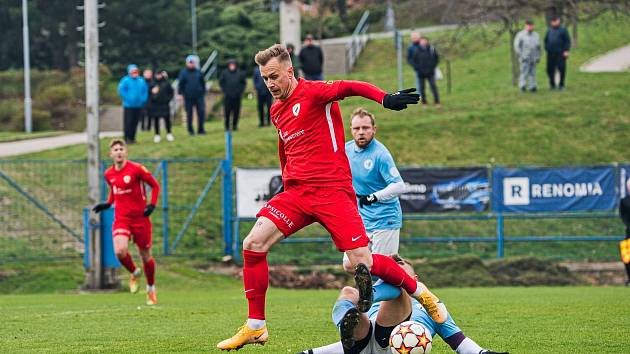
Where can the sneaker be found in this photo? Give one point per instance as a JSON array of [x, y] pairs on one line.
[[134, 280], [157, 139], [349, 322], [363, 282], [170, 137], [151, 297], [533, 89], [244, 336], [523, 89], [435, 308]]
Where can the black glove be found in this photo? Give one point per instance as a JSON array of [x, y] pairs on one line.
[[149, 209], [100, 207], [398, 101], [367, 199]]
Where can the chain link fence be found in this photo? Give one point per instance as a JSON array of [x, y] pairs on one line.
[[42, 203]]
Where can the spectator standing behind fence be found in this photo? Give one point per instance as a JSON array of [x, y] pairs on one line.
[[528, 50], [311, 60], [145, 120], [424, 59], [192, 89], [294, 60], [557, 45], [133, 91], [624, 246], [232, 81], [264, 98], [160, 96]]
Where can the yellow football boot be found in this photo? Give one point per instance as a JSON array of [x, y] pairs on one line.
[[244, 336], [435, 308], [151, 298], [134, 281]]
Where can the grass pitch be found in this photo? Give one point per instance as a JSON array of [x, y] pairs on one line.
[[197, 310]]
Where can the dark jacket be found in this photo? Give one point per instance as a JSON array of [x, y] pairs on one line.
[[311, 60], [259, 83], [424, 59], [557, 40], [191, 83], [159, 103], [232, 82]]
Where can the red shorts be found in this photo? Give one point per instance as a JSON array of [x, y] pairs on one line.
[[335, 208], [136, 229]]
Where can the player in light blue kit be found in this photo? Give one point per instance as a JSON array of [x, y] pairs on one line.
[[377, 183], [368, 333]]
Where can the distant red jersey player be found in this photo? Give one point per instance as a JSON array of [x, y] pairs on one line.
[[126, 180], [317, 188]]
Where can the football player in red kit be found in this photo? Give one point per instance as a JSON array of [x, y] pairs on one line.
[[317, 188], [126, 180]]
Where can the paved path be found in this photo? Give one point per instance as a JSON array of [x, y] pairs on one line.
[[614, 61], [21, 147]]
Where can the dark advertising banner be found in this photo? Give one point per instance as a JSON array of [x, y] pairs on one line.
[[522, 190], [431, 190]]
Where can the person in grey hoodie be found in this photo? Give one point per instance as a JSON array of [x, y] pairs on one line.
[[527, 48], [557, 45]]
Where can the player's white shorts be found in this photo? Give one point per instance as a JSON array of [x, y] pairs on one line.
[[385, 242]]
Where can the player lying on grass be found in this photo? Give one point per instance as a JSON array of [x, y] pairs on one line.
[[368, 333], [317, 188], [131, 217]]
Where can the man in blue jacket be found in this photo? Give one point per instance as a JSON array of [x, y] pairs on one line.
[[557, 45], [133, 91], [191, 89]]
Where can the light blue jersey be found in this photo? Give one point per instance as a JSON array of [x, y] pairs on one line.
[[373, 169], [419, 314]]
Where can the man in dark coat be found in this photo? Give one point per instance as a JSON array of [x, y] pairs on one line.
[[311, 60], [557, 45], [160, 96], [192, 89], [232, 82], [264, 98], [424, 58]]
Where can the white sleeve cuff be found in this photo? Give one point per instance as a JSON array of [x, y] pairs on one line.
[[392, 191]]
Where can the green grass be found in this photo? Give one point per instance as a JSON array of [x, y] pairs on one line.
[[17, 136], [197, 310]]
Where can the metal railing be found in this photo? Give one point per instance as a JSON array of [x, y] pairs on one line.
[[358, 41]]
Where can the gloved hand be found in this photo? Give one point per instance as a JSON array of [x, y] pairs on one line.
[[367, 200], [399, 100], [149, 209], [100, 207]]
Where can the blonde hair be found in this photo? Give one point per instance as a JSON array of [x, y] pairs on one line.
[[117, 142], [275, 51], [362, 112]]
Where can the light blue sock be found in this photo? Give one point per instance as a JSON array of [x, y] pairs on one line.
[[384, 291], [340, 309]]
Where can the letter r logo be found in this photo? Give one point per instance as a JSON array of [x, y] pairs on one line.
[[516, 191]]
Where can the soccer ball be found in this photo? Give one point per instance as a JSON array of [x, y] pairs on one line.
[[410, 338]]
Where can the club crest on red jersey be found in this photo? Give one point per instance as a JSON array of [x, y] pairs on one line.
[[296, 109], [127, 179]]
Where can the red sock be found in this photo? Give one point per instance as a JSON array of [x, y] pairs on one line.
[[256, 282], [149, 271], [387, 269], [128, 263]]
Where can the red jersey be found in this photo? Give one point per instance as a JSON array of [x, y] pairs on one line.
[[311, 140], [127, 189]]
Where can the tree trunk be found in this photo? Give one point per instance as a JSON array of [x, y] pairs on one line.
[[574, 32]]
